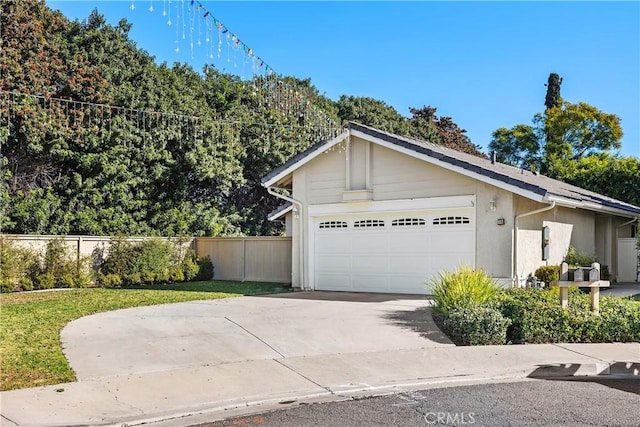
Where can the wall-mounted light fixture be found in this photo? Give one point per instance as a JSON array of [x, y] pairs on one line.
[[493, 205], [296, 214]]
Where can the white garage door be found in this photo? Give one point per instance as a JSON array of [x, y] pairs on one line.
[[391, 252]]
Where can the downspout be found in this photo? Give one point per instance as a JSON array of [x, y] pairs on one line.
[[297, 203], [514, 249], [616, 245]]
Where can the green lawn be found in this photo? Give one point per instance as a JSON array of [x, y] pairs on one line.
[[30, 322]]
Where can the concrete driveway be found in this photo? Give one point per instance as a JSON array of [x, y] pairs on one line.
[[168, 365], [207, 333]]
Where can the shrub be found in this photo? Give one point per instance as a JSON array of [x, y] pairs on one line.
[[575, 258], [205, 268], [134, 279], [120, 259], [16, 265], [190, 266], [537, 317], [66, 281], [109, 280], [461, 288], [25, 284], [58, 262], [7, 287], [153, 256], [45, 281], [153, 261], [476, 325], [548, 273], [176, 274]]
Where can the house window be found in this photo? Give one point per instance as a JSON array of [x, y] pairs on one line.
[[405, 222], [365, 223], [449, 220], [333, 224]]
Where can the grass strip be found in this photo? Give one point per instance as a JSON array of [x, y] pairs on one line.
[[30, 322]]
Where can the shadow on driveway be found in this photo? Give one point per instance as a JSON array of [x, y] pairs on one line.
[[346, 296], [420, 320]]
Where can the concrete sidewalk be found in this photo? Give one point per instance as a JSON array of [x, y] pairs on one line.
[[623, 290], [338, 353]]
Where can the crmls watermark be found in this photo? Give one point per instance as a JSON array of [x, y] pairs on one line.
[[450, 419]]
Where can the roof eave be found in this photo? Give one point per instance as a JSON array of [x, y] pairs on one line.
[[279, 175], [591, 206], [280, 213], [537, 195]]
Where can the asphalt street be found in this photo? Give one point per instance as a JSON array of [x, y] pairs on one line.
[[576, 402]]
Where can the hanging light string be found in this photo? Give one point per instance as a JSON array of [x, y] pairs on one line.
[[285, 97], [76, 111]]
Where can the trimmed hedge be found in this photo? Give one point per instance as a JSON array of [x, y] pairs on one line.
[[537, 317], [476, 325], [472, 312]]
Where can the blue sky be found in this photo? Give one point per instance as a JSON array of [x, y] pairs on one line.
[[482, 63]]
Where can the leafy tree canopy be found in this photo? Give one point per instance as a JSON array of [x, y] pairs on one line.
[[574, 143], [184, 151]]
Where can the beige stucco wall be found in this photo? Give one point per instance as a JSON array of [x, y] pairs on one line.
[[567, 226], [394, 175], [391, 175]]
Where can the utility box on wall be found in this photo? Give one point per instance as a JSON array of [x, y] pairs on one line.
[[546, 241]]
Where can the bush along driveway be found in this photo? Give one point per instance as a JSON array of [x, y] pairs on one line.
[[471, 310]]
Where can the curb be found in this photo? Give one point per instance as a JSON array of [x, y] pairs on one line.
[[617, 370], [629, 370]]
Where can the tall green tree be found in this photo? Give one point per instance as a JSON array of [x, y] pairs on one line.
[[442, 130], [574, 143], [553, 98], [576, 130], [518, 146], [372, 112]]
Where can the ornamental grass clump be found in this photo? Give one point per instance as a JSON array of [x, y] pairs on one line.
[[462, 288]]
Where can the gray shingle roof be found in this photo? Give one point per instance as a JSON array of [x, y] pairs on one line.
[[526, 180]]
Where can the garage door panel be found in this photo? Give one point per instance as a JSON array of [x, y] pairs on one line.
[[409, 242], [368, 263], [452, 242], [408, 284], [330, 242], [449, 261], [369, 243], [416, 263], [369, 282], [391, 252], [333, 264], [333, 282]]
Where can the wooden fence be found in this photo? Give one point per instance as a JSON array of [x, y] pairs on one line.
[[260, 259]]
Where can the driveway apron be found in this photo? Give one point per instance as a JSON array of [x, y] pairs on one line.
[[205, 333]]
